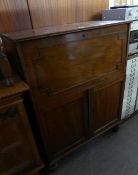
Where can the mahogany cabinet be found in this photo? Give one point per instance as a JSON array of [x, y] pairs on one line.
[[76, 76], [18, 152]]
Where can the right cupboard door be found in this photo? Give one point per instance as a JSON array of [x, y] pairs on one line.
[[105, 106]]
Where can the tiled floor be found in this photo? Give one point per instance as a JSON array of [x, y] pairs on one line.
[[109, 154]]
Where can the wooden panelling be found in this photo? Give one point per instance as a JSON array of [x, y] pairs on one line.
[[105, 112], [14, 15], [47, 12], [61, 64]]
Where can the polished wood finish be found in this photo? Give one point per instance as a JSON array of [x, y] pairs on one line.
[[17, 88], [65, 121], [105, 105], [58, 73], [60, 29], [49, 13], [14, 15], [76, 74], [18, 153]]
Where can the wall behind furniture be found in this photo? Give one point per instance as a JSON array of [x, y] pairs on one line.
[[54, 12], [14, 15], [18, 15]]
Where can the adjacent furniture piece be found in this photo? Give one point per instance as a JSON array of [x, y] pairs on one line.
[[76, 76], [18, 152]]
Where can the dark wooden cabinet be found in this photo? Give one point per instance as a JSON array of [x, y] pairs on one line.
[[18, 152], [76, 75]]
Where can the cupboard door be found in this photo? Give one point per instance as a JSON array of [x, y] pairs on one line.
[[18, 154], [64, 123], [105, 106]]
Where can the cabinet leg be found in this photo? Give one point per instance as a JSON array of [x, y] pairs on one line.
[[116, 128]]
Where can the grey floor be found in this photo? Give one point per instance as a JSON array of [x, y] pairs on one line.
[[109, 154]]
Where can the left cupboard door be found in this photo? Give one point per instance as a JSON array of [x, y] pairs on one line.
[[63, 123], [18, 152]]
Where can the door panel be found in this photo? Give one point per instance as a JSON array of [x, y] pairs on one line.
[[105, 104], [61, 62], [62, 66], [64, 125]]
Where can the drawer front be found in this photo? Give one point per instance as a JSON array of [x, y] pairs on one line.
[[17, 149], [57, 63]]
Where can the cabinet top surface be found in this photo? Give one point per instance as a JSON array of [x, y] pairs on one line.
[[18, 87], [60, 29]]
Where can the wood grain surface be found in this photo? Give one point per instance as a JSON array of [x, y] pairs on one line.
[[47, 12], [76, 82], [14, 15]]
